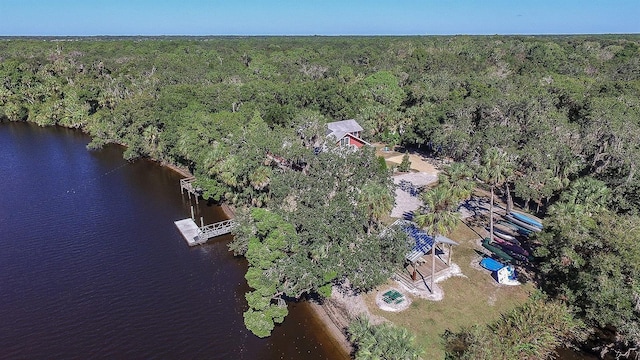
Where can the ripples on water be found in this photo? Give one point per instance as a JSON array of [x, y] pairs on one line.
[[91, 265]]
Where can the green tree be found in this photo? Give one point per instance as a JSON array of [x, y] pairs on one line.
[[405, 165], [459, 177], [589, 258], [495, 168], [267, 254], [382, 341], [376, 201], [533, 330], [382, 87], [333, 206], [440, 216], [591, 193]]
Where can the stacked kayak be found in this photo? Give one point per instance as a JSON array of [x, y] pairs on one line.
[[497, 251], [505, 233], [512, 249], [528, 219], [505, 250], [505, 247], [524, 221], [519, 229]]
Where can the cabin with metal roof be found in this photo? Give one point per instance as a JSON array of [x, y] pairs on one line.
[[346, 133]]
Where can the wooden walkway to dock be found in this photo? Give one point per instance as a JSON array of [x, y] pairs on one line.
[[187, 184], [217, 229]]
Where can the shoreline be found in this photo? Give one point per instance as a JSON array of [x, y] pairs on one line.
[[329, 318], [228, 210], [332, 326], [178, 169]]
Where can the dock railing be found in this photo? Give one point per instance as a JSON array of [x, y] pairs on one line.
[[216, 229]]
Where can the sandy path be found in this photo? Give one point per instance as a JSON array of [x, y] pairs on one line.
[[416, 163]]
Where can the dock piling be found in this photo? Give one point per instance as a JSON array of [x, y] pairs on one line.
[[193, 234], [187, 184]]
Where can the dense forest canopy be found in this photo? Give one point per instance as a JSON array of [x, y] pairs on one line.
[[562, 106], [564, 109]]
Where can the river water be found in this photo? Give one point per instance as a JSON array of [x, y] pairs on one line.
[[92, 266]]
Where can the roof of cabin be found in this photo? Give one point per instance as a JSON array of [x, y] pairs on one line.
[[340, 128]]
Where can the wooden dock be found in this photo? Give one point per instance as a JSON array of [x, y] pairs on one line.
[[190, 231], [195, 235]]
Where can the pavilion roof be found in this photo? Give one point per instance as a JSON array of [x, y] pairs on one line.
[[423, 242]]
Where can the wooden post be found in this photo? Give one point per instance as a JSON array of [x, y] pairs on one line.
[[413, 274], [201, 222], [192, 216], [450, 251], [433, 263]]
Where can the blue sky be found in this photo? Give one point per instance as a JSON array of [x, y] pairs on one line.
[[319, 17]]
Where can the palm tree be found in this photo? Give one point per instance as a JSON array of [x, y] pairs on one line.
[[459, 176], [361, 335], [382, 341], [260, 178], [441, 216], [151, 135], [441, 204], [570, 217], [495, 169], [376, 201], [593, 194]]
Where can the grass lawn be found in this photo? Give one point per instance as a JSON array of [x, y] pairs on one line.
[[473, 299]]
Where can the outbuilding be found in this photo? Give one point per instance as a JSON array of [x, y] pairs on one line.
[[346, 133]]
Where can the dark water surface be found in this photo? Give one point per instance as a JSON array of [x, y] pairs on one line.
[[92, 266]]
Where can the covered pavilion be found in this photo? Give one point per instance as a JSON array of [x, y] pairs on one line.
[[420, 269]]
